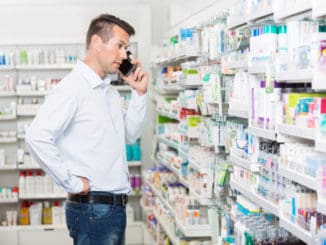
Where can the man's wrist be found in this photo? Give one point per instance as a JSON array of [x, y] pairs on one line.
[[140, 93]]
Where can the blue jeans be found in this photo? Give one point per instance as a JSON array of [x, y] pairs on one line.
[[96, 224]]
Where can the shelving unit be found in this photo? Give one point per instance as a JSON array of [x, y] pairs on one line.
[[260, 18], [263, 133], [267, 205], [239, 113], [197, 231], [302, 179], [251, 166], [294, 11], [297, 231], [170, 234], [295, 131], [294, 76]]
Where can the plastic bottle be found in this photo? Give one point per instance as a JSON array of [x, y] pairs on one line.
[[20, 156], [48, 184], [47, 214], [136, 153], [282, 39], [24, 214], [39, 185], [15, 192], [56, 213], [30, 183], [22, 183]]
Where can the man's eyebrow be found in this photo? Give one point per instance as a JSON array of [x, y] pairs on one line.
[[124, 43]]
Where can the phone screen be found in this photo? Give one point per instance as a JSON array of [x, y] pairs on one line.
[[126, 66]]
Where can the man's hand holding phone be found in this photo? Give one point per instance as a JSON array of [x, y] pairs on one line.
[[134, 75]]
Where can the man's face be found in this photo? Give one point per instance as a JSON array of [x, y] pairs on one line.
[[113, 51]]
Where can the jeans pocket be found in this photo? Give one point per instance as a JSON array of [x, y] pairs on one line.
[[101, 211], [72, 219]]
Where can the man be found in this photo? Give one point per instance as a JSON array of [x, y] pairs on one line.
[[79, 135]]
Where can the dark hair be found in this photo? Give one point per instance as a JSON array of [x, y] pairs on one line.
[[102, 26]]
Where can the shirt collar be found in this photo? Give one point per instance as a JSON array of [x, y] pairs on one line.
[[92, 78]]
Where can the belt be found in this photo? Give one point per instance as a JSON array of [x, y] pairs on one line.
[[114, 199]]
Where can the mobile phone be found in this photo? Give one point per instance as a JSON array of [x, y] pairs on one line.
[[126, 66]]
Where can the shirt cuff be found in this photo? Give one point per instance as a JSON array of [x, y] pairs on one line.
[[76, 185], [138, 100]]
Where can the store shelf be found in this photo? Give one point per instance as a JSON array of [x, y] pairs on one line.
[[253, 167], [26, 166], [7, 117], [9, 200], [173, 238], [238, 113], [168, 114], [195, 165], [203, 200], [179, 58], [236, 22], [267, 205], [43, 196], [7, 68], [238, 64], [302, 179], [190, 84], [7, 93], [257, 69], [295, 10], [8, 167], [26, 114], [31, 93], [172, 88], [42, 227], [133, 194], [46, 67], [319, 10], [260, 14], [188, 231], [173, 169], [297, 231], [263, 133], [8, 140], [122, 88], [294, 76], [167, 142], [320, 146], [134, 163], [295, 131]]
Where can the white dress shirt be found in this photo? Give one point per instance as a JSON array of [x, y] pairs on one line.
[[82, 129]]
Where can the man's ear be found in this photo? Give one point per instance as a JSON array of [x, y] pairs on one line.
[[96, 42]]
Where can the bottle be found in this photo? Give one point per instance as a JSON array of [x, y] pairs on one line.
[[20, 156], [56, 213], [48, 184], [22, 183], [15, 192], [30, 183], [24, 214], [47, 214], [136, 154], [39, 185]]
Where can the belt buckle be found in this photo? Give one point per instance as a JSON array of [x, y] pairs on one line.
[[124, 200]]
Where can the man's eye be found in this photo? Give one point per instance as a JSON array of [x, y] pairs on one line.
[[120, 46]]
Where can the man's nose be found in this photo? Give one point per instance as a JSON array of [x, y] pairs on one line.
[[123, 54]]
